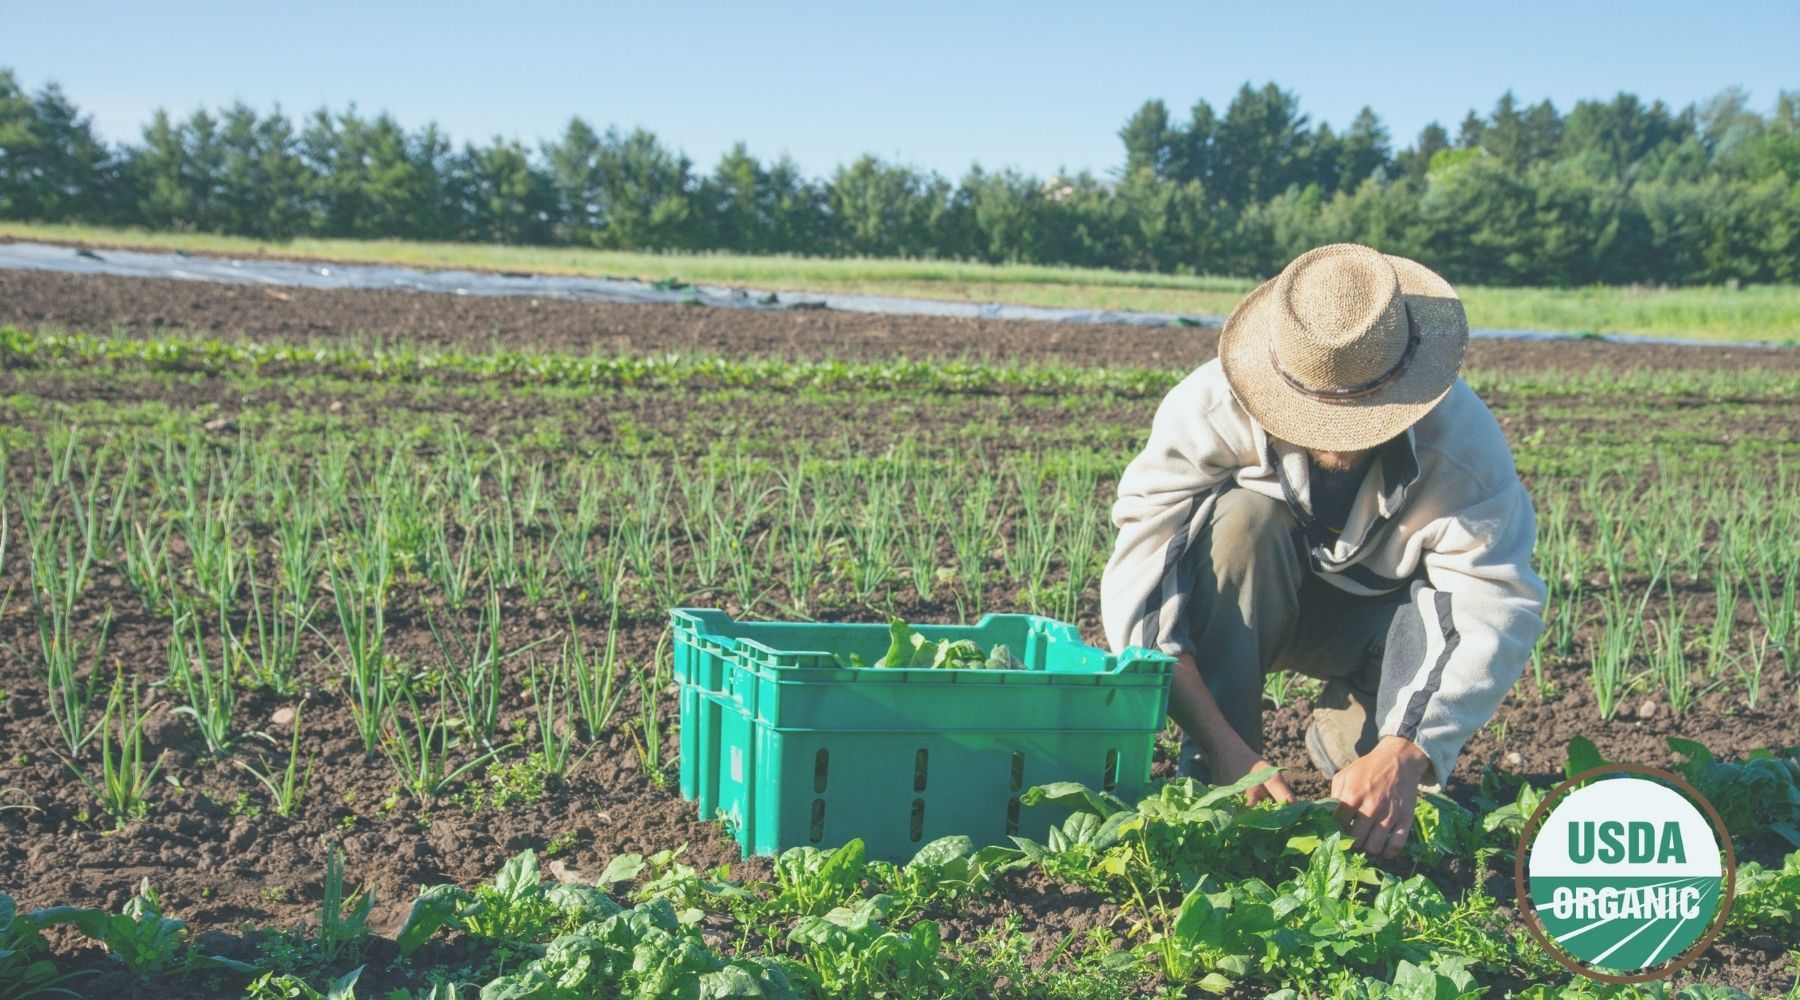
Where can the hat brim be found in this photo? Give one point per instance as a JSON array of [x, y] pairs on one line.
[[1364, 421]]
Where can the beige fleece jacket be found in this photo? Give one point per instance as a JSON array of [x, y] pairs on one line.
[[1450, 504]]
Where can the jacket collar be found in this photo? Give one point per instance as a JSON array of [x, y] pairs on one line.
[[1385, 486]]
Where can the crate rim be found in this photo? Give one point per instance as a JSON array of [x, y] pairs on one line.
[[1132, 659]]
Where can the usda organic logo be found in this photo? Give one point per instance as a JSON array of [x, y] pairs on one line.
[[1621, 874]]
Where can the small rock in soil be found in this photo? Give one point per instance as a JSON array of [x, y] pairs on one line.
[[563, 873], [1647, 710], [1514, 759], [217, 425], [283, 716]]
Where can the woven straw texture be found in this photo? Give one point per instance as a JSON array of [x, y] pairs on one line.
[[1318, 354]]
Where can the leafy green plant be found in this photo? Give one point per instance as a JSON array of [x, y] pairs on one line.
[[269, 644], [70, 698], [908, 648], [847, 952], [206, 683], [1437, 980], [359, 593], [642, 952], [1768, 901], [140, 938], [25, 971], [124, 778], [1757, 794], [287, 790], [285, 986], [550, 700], [808, 881], [420, 752], [516, 906], [595, 681], [946, 870], [652, 681], [1614, 648], [343, 920]]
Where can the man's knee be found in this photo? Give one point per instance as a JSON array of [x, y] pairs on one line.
[[1253, 535]]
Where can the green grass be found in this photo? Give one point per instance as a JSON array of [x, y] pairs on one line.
[[1769, 313]]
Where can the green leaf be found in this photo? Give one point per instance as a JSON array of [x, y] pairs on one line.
[[1120, 961], [1583, 756], [1116, 826], [729, 983], [1002, 659], [88, 921], [1075, 795], [1327, 871], [1081, 828], [961, 653], [1698, 756], [1214, 982], [623, 868], [344, 988], [435, 907], [221, 962], [582, 902], [904, 644], [843, 861], [518, 878], [1198, 924], [819, 932], [1032, 850], [942, 851], [1243, 784], [1276, 818]]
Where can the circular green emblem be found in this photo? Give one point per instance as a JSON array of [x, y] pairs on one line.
[[1625, 875]]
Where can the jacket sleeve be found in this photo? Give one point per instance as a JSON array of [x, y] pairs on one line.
[[1480, 611], [1160, 496]]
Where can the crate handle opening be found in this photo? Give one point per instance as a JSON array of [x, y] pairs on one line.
[[1018, 770], [821, 765], [1112, 770], [921, 761], [918, 820], [818, 820], [1012, 816]]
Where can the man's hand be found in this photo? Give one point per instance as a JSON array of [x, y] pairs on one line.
[[1377, 793], [1235, 759], [1193, 709]]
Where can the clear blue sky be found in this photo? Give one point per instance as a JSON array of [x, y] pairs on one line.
[[1037, 86]]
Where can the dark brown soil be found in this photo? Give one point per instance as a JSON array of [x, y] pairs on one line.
[[227, 865], [97, 303]]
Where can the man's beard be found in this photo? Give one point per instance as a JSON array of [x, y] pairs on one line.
[[1339, 462]]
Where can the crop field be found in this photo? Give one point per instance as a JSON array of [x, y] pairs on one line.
[[334, 653], [1767, 313]]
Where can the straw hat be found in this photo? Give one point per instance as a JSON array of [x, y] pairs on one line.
[[1345, 348]]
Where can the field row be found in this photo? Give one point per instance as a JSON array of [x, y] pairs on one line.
[[1767, 313]]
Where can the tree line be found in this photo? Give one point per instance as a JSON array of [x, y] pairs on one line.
[[1613, 191]]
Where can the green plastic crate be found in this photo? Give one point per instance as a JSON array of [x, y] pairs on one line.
[[793, 747]]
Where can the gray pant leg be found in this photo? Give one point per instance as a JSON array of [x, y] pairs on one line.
[[1341, 635], [1244, 608]]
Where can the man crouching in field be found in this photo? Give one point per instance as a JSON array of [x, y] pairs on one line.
[[1329, 497]]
